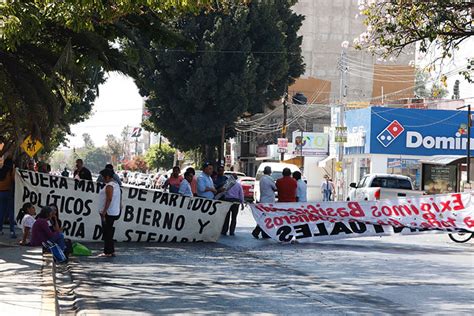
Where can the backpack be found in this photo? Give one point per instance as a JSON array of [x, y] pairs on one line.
[[56, 251]]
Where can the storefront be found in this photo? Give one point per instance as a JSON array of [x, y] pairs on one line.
[[396, 140]]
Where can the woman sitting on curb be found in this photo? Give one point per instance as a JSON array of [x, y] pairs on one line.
[[41, 232]]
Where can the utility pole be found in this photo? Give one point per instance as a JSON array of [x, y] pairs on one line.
[[285, 114], [342, 96], [468, 156]]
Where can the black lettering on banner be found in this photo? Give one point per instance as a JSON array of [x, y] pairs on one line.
[[206, 205], [146, 216], [150, 237], [44, 180], [339, 227], [142, 194], [140, 233], [66, 207], [284, 234], [164, 198], [173, 199], [184, 239], [132, 193], [66, 226], [378, 229], [53, 181], [197, 204], [97, 232], [127, 234], [156, 218], [26, 194], [157, 195], [128, 215], [202, 225], [24, 174], [179, 222], [358, 227], [322, 231], [88, 208], [214, 207], [78, 206], [174, 239], [302, 231], [168, 220], [183, 198], [34, 179]]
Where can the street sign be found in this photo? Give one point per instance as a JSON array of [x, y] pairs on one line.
[[137, 132], [339, 166], [282, 142], [341, 134], [31, 146], [282, 150]]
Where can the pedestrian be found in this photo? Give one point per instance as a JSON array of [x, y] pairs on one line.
[[41, 232], [54, 222], [81, 172], [174, 180], [185, 186], [301, 189], [235, 194], [26, 220], [116, 177], [267, 195], [327, 188], [31, 165], [194, 182], [205, 185], [109, 208], [65, 173], [220, 178], [286, 187], [7, 180]]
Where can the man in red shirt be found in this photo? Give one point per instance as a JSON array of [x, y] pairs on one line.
[[286, 187]]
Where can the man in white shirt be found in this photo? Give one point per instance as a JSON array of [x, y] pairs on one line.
[[301, 189], [327, 188], [185, 186], [267, 195]]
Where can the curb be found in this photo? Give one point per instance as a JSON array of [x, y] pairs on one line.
[[49, 298]]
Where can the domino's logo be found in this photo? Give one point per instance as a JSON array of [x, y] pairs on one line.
[[390, 133]]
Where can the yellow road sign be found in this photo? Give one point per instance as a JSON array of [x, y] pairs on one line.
[[31, 146]]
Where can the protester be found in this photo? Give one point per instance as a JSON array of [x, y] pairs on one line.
[[174, 180], [267, 195], [116, 177], [40, 232], [301, 189], [185, 186], [65, 173], [205, 185], [194, 182], [31, 165], [7, 179], [81, 172], [286, 187], [220, 178], [109, 208], [234, 194], [54, 222], [327, 188], [26, 220]]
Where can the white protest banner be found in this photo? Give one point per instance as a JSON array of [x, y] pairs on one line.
[[317, 221], [146, 216]]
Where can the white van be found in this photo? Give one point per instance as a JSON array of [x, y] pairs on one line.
[[277, 169]]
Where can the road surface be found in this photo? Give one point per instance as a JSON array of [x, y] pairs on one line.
[[399, 274]]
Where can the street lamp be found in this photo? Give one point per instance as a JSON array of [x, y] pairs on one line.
[[469, 124]]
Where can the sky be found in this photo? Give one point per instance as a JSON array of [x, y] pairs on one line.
[[119, 104]]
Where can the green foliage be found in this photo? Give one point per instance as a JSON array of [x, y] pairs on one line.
[[54, 54], [425, 88], [157, 157], [114, 147], [88, 143], [394, 25], [95, 159], [242, 60]]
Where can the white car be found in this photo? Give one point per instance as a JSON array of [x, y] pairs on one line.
[[382, 186], [277, 169]]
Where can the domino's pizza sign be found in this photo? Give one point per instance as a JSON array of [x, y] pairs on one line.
[[390, 133], [416, 132]]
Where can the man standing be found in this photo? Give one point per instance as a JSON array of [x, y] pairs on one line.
[[81, 172], [205, 185], [327, 187], [185, 186], [234, 194], [286, 187], [221, 179], [115, 177], [301, 189], [267, 195], [65, 173]]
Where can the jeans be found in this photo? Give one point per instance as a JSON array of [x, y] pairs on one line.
[[234, 211], [59, 239], [6, 209], [108, 231]]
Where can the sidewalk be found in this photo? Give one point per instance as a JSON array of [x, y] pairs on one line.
[[26, 286]]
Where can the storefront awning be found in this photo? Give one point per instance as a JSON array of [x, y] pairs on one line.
[[444, 160], [324, 163]]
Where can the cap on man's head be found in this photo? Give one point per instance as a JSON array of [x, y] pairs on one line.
[[205, 165], [109, 166], [267, 170], [326, 176]]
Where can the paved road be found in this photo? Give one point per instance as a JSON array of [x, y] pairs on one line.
[[411, 274]]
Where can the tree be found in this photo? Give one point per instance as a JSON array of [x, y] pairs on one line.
[[243, 60], [96, 159], [54, 55], [137, 163], [88, 142], [114, 148], [424, 88], [160, 156], [456, 92], [393, 25]]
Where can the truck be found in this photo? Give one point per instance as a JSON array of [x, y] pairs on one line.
[[382, 186]]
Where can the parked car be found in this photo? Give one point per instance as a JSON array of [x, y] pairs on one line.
[[248, 185], [382, 186], [277, 169], [239, 174]]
